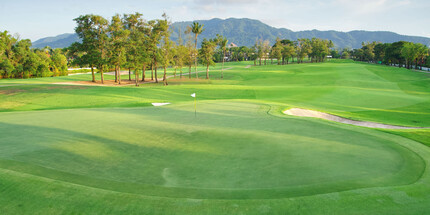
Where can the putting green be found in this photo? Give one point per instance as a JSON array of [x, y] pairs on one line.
[[232, 150]]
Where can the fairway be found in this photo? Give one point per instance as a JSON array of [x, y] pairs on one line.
[[102, 150]]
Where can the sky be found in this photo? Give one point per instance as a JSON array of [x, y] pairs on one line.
[[35, 19]]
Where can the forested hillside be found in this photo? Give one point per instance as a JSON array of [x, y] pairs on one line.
[[244, 32]]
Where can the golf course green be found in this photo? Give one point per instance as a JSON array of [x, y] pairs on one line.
[[89, 149]]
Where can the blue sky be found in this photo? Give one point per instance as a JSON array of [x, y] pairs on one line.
[[35, 19]]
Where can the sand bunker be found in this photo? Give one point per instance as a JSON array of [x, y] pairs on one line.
[[160, 104], [321, 115]]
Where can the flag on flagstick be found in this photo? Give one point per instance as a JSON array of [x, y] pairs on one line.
[[195, 104]]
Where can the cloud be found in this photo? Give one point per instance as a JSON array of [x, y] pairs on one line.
[[221, 6], [225, 2], [371, 6]]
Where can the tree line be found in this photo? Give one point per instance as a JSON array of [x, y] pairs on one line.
[[283, 51], [18, 60], [131, 42], [402, 54]]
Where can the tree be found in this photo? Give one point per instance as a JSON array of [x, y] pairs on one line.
[[379, 51], [85, 31], [59, 62], [422, 52], [181, 54], [143, 45], [261, 49], [254, 55], [30, 65], [19, 60], [157, 28], [345, 53], [119, 37], [191, 50], [318, 50], [206, 53], [303, 49], [100, 29], [288, 52], [409, 53], [266, 49], [277, 50], [7, 41], [197, 29], [222, 43], [368, 51], [137, 44], [166, 46], [393, 53], [6, 68]]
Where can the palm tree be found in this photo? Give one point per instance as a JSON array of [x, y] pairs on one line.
[[422, 52], [222, 42], [197, 29], [207, 52]]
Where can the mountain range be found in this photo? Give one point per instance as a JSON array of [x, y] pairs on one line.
[[244, 32]]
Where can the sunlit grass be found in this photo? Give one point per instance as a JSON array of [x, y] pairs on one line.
[[107, 150]]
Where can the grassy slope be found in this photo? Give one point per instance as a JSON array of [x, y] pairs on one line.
[[359, 91], [88, 168], [236, 150]]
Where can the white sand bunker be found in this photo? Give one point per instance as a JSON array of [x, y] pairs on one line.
[[160, 104], [321, 115]]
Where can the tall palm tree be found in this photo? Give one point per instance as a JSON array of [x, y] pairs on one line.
[[197, 29], [222, 43]]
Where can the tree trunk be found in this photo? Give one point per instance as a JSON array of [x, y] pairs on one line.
[[180, 72], [119, 74], [421, 63], [222, 68], [189, 72], [164, 76], [195, 70], [195, 59], [260, 61], [136, 77], [152, 71], [101, 74], [174, 73], [143, 72], [116, 74], [155, 68], [207, 71], [92, 74], [129, 73]]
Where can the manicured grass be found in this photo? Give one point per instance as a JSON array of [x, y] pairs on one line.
[[107, 150], [354, 90]]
